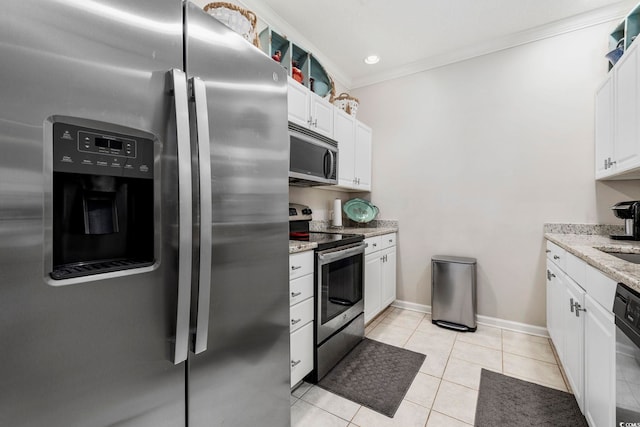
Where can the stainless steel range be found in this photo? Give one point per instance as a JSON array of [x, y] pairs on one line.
[[339, 279]]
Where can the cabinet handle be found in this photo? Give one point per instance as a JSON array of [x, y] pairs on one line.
[[295, 363], [390, 240], [571, 304], [548, 275], [310, 121], [295, 267], [612, 163], [295, 294], [315, 123], [556, 257], [548, 250], [579, 309], [606, 163], [296, 321], [375, 244]]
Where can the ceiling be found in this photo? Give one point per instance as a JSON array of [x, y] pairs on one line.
[[413, 35]]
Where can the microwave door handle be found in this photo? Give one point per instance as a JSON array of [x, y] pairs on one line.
[[178, 82], [328, 169], [333, 164], [204, 159]]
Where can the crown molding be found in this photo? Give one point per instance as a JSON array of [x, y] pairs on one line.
[[598, 16]]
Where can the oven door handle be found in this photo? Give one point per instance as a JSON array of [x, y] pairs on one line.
[[332, 255]]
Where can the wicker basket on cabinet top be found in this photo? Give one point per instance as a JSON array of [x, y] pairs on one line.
[[240, 20]]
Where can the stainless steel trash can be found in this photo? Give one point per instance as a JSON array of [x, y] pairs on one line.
[[453, 292]]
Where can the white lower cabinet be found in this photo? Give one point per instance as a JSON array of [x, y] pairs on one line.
[[573, 354], [379, 274], [580, 322], [301, 315]]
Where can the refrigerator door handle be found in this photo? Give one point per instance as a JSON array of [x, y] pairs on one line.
[[204, 159], [179, 89]]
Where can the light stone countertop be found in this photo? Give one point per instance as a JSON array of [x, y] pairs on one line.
[[586, 247], [296, 246], [365, 231]]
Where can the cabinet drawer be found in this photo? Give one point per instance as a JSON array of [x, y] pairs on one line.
[[301, 353], [300, 289], [374, 244], [600, 287], [300, 264], [575, 268], [388, 240], [556, 254], [301, 314]]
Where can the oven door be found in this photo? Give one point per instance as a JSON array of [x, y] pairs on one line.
[[340, 280]]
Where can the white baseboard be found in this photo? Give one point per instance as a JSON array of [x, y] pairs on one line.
[[482, 320]]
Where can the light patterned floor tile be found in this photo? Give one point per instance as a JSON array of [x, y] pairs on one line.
[[531, 349], [302, 389], [532, 370], [436, 331], [389, 334], [436, 419], [463, 373], [434, 364], [423, 390], [425, 343], [512, 336], [485, 336], [331, 403], [304, 414], [479, 355], [408, 414], [456, 401], [403, 318]]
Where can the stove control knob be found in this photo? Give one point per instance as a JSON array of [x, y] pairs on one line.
[[306, 211]]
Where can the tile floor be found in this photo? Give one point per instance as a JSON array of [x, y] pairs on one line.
[[445, 390]]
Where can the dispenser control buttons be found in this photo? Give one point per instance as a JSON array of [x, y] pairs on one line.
[[106, 144]]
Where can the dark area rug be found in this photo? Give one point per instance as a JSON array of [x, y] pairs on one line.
[[507, 401], [375, 375]]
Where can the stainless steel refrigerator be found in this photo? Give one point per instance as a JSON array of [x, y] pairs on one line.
[[143, 224]]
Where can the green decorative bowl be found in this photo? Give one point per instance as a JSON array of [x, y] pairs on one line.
[[360, 210]]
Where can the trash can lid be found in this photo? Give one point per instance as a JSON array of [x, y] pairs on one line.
[[450, 258]]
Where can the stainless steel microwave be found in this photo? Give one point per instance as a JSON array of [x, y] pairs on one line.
[[313, 158]]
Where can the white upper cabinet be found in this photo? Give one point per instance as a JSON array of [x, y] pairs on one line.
[[617, 128], [363, 157], [604, 128], [344, 131], [354, 156], [309, 110], [626, 139], [299, 104]]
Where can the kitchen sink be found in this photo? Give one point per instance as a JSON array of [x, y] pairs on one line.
[[633, 258]]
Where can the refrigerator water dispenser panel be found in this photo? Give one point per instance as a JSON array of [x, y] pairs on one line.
[[103, 207]]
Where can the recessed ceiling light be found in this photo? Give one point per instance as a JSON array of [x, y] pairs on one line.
[[372, 59]]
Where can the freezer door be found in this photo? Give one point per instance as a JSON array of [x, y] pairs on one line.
[[94, 352], [242, 378]]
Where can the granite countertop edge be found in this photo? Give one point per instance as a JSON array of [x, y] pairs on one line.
[[297, 246], [588, 248]]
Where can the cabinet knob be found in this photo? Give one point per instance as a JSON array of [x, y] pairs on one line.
[[579, 309], [556, 257]]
